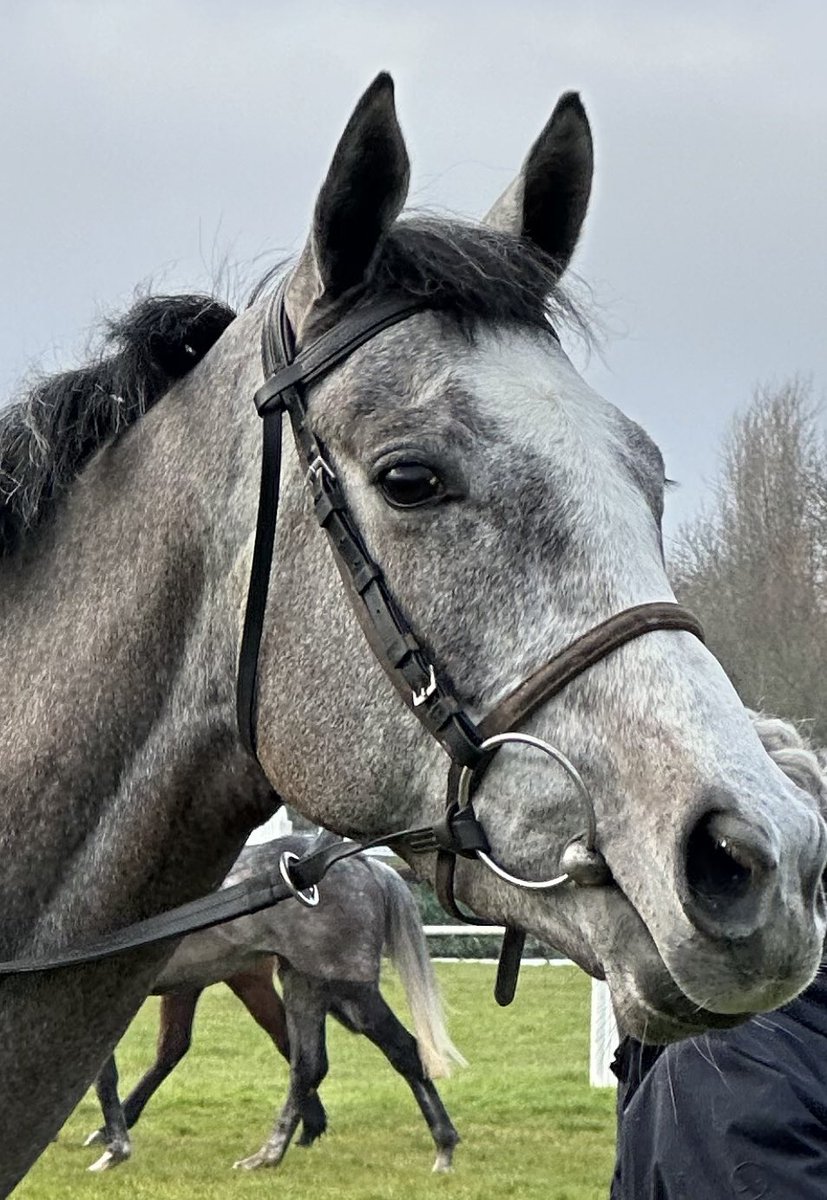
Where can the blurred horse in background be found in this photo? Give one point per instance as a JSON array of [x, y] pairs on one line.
[[329, 961]]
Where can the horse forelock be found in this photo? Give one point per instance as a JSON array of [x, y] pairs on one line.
[[48, 437], [469, 272]]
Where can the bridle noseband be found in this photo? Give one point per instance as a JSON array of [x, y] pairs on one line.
[[427, 693]]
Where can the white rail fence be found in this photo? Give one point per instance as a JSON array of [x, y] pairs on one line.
[[603, 1031]]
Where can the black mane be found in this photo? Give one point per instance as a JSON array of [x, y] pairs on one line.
[[49, 436], [470, 272]]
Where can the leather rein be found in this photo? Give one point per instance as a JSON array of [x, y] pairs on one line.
[[425, 690]]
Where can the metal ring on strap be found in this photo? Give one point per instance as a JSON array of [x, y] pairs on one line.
[[464, 799], [308, 897]]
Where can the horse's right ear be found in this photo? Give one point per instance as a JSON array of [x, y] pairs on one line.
[[547, 201], [360, 199]]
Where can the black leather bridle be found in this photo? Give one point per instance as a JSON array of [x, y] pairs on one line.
[[469, 745]]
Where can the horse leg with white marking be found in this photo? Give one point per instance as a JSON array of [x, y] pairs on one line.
[[306, 1005], [256, 991], [114, 1133], [176, 1016], [362, 1009]]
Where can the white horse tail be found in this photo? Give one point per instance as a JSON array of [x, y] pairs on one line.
[[407, 949]]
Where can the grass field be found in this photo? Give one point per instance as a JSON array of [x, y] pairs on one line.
[[530, 1124]]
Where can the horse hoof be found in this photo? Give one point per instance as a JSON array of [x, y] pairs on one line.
[[255, 1161], [109, 1159], [95, 1139], [247, 1164], [443, 1162]]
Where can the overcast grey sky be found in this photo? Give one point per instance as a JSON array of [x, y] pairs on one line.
[[151, 141]]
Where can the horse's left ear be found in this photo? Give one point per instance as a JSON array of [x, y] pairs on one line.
[[362, 195], [547, 201]]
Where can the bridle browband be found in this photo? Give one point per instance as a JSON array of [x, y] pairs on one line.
[[470, 745]]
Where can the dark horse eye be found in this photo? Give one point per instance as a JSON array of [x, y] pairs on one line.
[[410, 485]]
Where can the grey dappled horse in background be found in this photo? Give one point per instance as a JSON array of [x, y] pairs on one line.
[[329, 961], [510, 509]]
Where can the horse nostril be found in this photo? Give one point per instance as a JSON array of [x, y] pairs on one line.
[[724, 858]]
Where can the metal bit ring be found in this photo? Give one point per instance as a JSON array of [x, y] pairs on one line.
[[308, 896], [464, 800]]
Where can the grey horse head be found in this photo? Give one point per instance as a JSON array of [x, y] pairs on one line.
[[511, 508]]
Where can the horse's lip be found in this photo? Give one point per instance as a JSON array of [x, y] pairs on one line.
[[665, 1011], [655, 1004], [667, 1001]]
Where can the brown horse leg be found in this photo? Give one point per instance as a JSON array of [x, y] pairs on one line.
[[256, 991], [174, 1040]]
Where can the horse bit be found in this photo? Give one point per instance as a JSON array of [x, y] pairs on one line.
[[470, 746]]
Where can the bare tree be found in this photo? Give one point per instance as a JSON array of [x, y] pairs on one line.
[[754, 564]]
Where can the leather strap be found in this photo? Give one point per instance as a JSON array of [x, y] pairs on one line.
[[425, 691], [224, 905], [581, 654], [268, 504], [508, 968], [286, 370]]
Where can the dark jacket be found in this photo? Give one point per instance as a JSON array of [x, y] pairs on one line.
[[737, 1115]]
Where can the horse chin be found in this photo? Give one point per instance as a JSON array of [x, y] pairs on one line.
[[651, 1007], [648, 1003]]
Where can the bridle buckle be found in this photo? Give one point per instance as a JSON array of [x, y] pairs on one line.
[[430, 687], [317, 468]]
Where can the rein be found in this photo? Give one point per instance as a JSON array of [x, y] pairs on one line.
[[469, 745]]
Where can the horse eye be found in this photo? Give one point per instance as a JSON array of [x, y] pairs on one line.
[[410, 485]]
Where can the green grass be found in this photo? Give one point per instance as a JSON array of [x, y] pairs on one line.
[[530, 1124]]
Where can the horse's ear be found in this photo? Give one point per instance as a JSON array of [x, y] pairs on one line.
[[547, 201], [362, 196]]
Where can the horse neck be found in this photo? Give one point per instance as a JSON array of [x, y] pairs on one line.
[[118, 642]]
